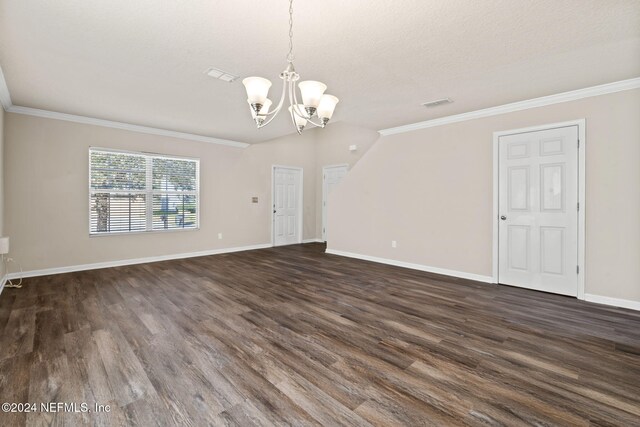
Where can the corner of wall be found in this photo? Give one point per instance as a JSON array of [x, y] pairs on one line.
[[2, 120]]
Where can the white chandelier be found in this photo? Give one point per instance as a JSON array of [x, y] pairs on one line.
[[315, 103]]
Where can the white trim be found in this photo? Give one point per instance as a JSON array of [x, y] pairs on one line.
[[496, 205], [125, 126], [5, 96], [338, 165], [616, 302], [519, 106], [581, 124], [2, 283], [582, 197], [119, 263], [436, 270], [316, 240], [300, 201]]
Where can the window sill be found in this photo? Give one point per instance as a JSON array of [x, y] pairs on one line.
[[129, 233]]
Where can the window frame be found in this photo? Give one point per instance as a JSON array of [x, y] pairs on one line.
[[148, 192]]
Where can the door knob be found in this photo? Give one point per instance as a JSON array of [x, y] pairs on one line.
[[503, 217]]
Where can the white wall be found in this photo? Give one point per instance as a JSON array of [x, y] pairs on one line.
[[431, 191], [46, 170]]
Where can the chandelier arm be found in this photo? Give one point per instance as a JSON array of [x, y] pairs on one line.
[[272, 115], [292, 110], [295, 104], [319, 125]]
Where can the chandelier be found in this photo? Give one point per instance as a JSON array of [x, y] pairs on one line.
[[316, 107]]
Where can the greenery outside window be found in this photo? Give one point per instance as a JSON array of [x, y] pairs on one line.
[[137, 192]]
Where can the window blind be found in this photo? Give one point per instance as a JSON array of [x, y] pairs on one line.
[[135, 192]]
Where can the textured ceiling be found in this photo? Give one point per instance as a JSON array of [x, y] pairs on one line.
[[143, 61]]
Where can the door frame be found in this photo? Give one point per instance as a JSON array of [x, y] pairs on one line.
[[580, 123], [324, 195], [300, 201]]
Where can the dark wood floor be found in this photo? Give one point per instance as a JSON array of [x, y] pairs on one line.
[[295, 336]]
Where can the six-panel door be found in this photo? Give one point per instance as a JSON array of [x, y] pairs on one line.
[[538, 202], [286, 206], [331, 177]]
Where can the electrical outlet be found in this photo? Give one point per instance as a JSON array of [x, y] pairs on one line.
[[394, 244], [219, 236]]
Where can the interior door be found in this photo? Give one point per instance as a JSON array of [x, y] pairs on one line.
[[331, 177], [538, 208], [287, 206]]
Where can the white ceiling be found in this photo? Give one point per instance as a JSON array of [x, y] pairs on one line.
[[143, 61]]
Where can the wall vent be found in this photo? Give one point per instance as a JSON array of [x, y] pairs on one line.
[[220, 75], [437, 102]]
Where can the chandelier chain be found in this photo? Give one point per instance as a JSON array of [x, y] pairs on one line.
[[290, 55]]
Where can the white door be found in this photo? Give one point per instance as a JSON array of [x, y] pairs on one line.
[[538, 209], [331, 177], [287, 206]]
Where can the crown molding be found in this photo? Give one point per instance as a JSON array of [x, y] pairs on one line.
[[5, 100], [125, 126], [519, 106]]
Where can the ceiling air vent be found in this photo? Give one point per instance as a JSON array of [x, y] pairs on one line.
[[437, 102], [220, 75]]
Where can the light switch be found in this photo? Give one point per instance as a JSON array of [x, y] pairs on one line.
[[254, 200]]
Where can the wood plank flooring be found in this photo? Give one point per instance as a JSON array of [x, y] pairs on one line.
[[292, 336]]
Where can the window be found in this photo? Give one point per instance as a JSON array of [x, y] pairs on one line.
[[134, 192]]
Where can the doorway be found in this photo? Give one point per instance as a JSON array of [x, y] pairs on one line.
[[287, 205], [539, 208], [331, 177]]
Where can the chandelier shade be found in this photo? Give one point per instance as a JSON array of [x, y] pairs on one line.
[[327, 106], [257, 89], [316, 108], [311, 92], [300, 121]]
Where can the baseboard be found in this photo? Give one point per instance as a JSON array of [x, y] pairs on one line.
[[429, 269], [313, 241], [616, 302], [120, 263]]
